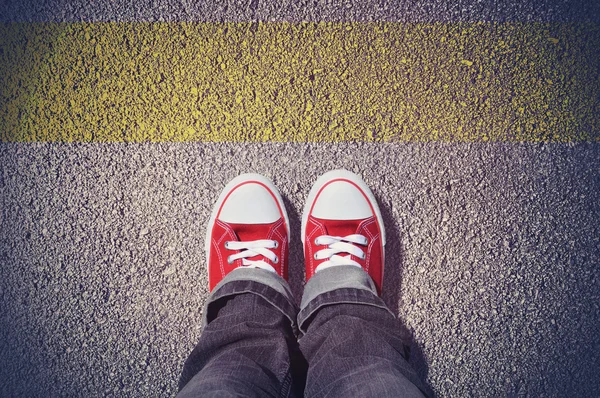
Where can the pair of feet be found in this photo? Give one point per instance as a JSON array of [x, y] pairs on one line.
[[341, 225]]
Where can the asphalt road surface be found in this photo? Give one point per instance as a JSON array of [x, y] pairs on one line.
[[492, 215]]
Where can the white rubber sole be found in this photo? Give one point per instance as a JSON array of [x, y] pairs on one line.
[[341, 174], [243, 178]]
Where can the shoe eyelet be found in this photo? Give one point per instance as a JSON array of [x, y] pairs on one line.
[[276, 261], [317, 241], [363, 256], [276, 244], [226, 244], [229, 261], [315, 256]]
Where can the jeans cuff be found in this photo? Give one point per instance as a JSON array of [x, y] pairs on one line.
[[337, 277], [344, 284], [268, 285]]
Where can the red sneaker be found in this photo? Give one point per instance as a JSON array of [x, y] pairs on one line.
[[248, 227], [342, 225]]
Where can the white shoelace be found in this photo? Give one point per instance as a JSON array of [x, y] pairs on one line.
[[336, 245], [251, 249]]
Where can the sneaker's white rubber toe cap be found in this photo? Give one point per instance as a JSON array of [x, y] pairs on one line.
[[341, 200], [250, 203]]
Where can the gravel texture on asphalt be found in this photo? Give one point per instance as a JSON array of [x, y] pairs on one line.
[[493, 248], [492, 259], [302, 10], [106, 82]]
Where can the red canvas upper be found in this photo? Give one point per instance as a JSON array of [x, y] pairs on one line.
[[218, 266], [368, 227]]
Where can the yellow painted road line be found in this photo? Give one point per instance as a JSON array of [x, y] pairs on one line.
[[107, 82]]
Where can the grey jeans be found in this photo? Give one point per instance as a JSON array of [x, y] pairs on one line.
[[342, 341]]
